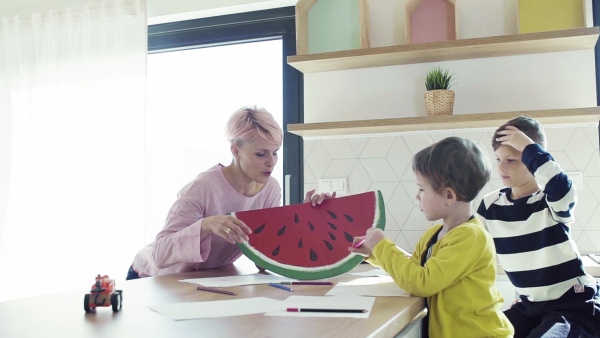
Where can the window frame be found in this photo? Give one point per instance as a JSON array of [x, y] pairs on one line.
[[596, 19], [278, 23]]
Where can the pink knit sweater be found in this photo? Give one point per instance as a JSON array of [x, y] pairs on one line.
[[178, 247]]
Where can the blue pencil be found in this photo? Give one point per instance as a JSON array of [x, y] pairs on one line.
[[281, 286]]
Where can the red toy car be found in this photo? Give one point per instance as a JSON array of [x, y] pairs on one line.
[[103, 293]]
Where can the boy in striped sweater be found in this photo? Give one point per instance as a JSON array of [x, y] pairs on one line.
[[530, 222]]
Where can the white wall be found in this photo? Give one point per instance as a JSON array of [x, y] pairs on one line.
[[526, 82], [387, 20], [161, 11], [500, 84]]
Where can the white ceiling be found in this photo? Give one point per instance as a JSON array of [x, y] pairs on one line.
[[159, 11]]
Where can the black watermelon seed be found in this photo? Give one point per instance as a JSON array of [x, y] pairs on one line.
[[349, 218], [312, 227], [276, 251], [300, 243], [313, 255], [296, 218], [349, 237], [332, 236], [328, 245], [259, 229], [281, 231], [334, 216], [332, 225]]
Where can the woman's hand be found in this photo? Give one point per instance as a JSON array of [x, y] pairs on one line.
[[317, 199], [230, 228], [373, 236]]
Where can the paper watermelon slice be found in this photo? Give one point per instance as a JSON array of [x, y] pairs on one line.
[[305, 242]]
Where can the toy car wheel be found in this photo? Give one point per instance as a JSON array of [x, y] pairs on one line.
[[115, 300], [86, 303]]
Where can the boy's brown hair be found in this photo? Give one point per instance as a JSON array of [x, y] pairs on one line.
[[530, 127], [454, 163]]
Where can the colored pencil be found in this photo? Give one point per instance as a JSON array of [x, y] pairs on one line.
[[293, 309], [225, 292], [307, 283], [283, 287], [359, 243]]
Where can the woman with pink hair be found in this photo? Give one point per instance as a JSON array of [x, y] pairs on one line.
[[199, 233]]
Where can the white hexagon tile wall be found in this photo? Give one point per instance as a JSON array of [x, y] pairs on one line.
[[384, 163]]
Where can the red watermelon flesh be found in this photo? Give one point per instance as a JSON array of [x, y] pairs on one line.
[[305, 242]]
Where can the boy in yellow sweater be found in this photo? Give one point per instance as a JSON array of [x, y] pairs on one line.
[[454, 263]]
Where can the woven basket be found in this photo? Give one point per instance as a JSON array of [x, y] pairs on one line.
[[439, 102]]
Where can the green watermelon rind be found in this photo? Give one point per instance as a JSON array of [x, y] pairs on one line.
[[295, 272]]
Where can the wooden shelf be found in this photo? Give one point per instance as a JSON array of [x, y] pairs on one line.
[[575, 116], [505, 45]]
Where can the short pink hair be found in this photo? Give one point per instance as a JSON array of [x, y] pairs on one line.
[[249, 123]]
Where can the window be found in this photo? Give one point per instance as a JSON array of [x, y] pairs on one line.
[[274, 24], [190, 95]]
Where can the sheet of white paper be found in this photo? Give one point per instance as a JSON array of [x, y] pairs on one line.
[[227, 281], [370, 273], [218, 308], [325, 302], [369, 286]]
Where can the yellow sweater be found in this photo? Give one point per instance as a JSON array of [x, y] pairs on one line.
[[458, 281]]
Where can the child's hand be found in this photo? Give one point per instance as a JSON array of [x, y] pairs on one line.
[[362, 248], [511, 136], [373, 236]]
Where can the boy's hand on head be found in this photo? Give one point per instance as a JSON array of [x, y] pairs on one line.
[[511, 136], [373, 236]]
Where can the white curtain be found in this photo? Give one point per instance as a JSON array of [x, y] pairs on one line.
[[72, 93]]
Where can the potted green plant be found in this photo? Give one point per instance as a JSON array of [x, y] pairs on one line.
[[439, 99]]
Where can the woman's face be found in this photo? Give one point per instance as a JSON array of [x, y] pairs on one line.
[[431, 202], [257, 159]]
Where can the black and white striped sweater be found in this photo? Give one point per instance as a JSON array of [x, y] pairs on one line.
[[532, 234]]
